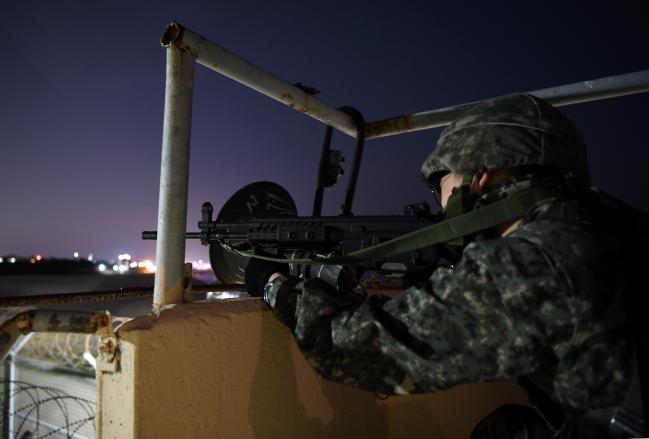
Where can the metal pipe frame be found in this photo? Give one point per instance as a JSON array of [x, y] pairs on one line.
[[220, 60], [174, 178], [184, 47]]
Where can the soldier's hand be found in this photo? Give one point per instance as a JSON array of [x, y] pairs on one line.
[[259, 272]]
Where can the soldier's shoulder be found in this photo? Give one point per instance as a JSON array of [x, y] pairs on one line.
[[554, 220], [506, 258]]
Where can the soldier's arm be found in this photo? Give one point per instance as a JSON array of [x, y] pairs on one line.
[[473, 323]]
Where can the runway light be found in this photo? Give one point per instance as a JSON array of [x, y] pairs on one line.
[[101, 267], [39, 257], [75, 254]]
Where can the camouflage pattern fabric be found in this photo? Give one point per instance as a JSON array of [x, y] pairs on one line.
[[506, 132], [541, 302]]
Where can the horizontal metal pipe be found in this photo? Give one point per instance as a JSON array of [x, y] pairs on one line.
[[42, 320], [98, 296], [597, 89], [241, 70], [585, 91], [217, 58], [136, 292]]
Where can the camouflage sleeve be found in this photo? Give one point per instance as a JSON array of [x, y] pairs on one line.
[[480, 321]]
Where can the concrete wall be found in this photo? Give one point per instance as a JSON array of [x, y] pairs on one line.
[[231, 370]]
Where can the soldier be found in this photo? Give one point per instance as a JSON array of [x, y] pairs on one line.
[[540, 297]]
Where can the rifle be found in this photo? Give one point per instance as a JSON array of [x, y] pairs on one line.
[[260, 220]]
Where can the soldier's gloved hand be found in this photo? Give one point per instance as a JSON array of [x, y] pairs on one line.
[[258, 272], [271, 281]]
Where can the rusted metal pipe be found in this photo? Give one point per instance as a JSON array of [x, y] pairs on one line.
[[217, 58], [25, 321], [174, 178], [585, 91]]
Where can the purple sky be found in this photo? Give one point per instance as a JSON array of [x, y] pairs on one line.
[[82, 90]]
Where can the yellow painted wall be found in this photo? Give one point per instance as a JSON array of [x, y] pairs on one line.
[[231, 370]]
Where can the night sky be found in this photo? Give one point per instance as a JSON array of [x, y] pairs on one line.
[[82, 92]]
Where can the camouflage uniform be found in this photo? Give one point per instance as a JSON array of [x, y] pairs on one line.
[[542, 302]]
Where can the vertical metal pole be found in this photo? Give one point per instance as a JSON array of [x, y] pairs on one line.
[[359, 120], [7, 397], [174, 179], [10, 385], [322, 170], [11, 372]]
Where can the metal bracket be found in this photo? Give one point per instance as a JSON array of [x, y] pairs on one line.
[[109, 356]]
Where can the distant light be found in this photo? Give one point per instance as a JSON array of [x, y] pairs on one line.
[[101, 267], [12, 260], [32, 261], [39, 257], [91, 257], [1, 260], [124, 257], [200, 265], [147, 265], [115, 267], [75, 254], [123, 268], [133, 264]]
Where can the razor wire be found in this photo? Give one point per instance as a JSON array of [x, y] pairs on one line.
[[64, 350], [30, 401]]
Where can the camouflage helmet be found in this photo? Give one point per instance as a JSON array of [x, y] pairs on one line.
[[506, 132]]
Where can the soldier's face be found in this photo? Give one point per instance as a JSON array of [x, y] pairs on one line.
[[447, 184]]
